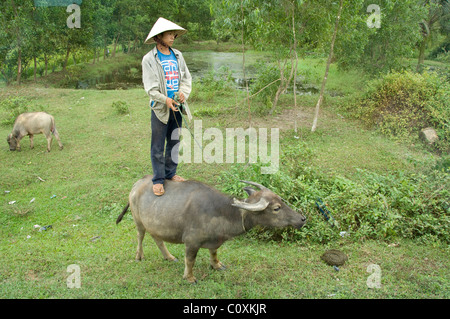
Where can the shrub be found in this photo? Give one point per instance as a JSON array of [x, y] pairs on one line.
[[400, 204], [266, 74], [11, 107], [215, 83], [121, 107], [401, 104]]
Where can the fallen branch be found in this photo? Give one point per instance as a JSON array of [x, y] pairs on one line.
[[254, 94]]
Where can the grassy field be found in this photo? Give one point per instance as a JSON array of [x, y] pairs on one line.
[[82, 189]]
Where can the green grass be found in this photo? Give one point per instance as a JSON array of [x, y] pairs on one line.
[[105, 153]]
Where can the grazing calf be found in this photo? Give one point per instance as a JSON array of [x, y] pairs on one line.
[[31, 124]]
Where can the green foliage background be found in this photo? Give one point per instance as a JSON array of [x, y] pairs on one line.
[[376, 206]]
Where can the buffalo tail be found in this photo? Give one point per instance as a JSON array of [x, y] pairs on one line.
[[123, 213]]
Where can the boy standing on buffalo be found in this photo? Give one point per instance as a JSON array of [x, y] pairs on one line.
[[164, 72]]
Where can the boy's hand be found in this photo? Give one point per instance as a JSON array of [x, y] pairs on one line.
[[171, 104], [182, 99]]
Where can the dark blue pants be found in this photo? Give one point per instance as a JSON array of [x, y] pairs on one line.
[[163, 164]]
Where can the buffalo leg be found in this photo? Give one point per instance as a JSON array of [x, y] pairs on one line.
[[18, 148], [49, 138], [189, 259], [31, 141], [140, 238], [56, 134], [215, 263], [162, 247]]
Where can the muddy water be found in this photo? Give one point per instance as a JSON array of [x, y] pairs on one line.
[[202, 62], [199, 64]]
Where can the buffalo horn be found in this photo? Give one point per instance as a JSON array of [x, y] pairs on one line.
[[254, 207], [261, 187]]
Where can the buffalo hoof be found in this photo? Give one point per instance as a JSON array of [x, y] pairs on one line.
[[191, 280], [139, 257], [219, 266]]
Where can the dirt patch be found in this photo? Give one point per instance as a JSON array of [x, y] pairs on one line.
[[285, 120]]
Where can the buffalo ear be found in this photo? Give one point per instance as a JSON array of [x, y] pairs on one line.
[[249, 190]]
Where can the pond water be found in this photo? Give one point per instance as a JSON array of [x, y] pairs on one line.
[[202, 62], [123, 78], [199, 63]]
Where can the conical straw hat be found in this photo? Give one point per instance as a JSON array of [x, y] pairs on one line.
[[163, 25]]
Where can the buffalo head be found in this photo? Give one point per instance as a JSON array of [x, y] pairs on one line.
[[12, 141], [268, 209]]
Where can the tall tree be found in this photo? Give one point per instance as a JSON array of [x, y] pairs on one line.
[[5, 42], [436, 10], [330, 56], [268, 25], [379, 49], [17, 14]]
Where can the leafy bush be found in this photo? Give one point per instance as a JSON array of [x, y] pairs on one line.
[[121, 107], [266, 85], [441, 52], [401, 104], [215, 83], [266, 74], [401, 204], [11, 107]]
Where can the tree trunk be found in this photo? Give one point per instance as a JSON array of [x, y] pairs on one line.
[[135, 44], [67, 57], [422, 48], [19, 58], [19, 66], [295, 54], [46, 63], [324, 82], [243, 66], [284, 83], [116, 40], [105, 47], [280, 88], [35, 67], [114, 48], [129, 46], [95, 54]]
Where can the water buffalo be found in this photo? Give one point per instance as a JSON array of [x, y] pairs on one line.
[[30, 124], [199, 216]]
